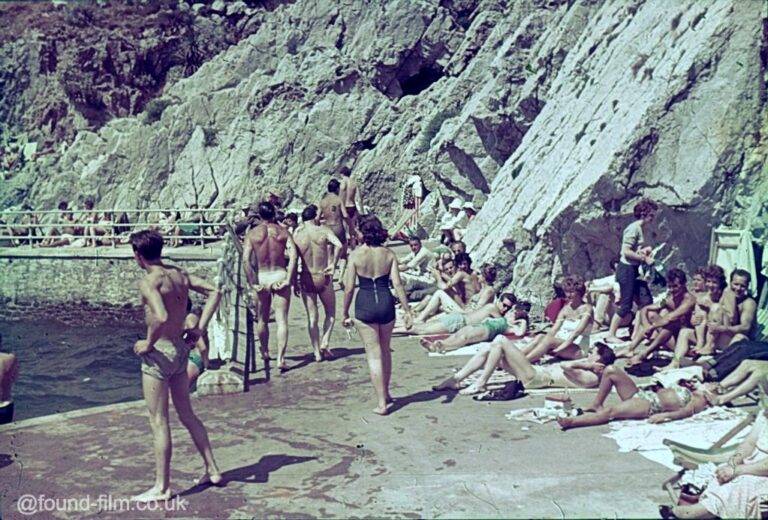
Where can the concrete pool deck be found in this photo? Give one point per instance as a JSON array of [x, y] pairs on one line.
[[306, 445]]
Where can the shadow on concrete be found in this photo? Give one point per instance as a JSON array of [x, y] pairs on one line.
[[342, 352], [423, 396], [257, 473], [5, 460]]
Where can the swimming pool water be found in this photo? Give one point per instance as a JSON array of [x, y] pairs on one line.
[[64, 368]]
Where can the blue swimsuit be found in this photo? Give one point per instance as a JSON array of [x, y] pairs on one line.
[[374, 302]]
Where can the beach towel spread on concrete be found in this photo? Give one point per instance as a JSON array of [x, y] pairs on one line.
[[471, 350], [701, 431]]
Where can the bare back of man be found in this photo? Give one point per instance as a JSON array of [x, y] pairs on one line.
[[270, 260], [316, 279], [349, 195], [331, 215]]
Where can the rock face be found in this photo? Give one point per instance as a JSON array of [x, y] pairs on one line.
[[554, 116], [65, 68]]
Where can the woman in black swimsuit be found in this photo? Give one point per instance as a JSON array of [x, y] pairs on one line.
[[375, 266]]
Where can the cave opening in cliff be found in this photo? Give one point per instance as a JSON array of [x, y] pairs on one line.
[[424, 78]]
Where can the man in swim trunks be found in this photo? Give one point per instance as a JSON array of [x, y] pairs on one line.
[[332, 214], [9, 373], [164, 356], [353, 202], [269, 255], [316, 277], [466, 333], [678, 307]]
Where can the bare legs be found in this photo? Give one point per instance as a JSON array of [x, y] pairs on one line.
[[262, 326], [328, 299], [180, 394], [439, 300], [617, 322], [464, 336], [747, 376], [310, 305], [545, 344], [156, 396], [376, 339], [282, 300], [685, 337], [320, 346]]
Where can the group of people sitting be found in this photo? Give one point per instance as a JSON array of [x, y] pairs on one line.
[[713, 324], [65, 227], [91, 228]]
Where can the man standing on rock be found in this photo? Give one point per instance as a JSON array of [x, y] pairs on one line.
[[350, 195], [316, 277], [332, 214], [269, 255], [165, 354]]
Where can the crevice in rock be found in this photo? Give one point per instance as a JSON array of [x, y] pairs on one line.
[[500, 138], [468, 168], [461, 13], [452, 187], [694, 74]]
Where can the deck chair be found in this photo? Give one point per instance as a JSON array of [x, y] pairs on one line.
[[690, 457], [732, 248]]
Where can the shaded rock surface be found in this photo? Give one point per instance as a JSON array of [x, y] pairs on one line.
[[554, 116]]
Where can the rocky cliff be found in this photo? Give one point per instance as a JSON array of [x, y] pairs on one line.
[[554, 116]]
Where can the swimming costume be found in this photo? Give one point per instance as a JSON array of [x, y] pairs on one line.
[[374, 302], [351, 211], [270, 278], [549, 376], [653, 401], [6, 412], [683, 395], [495, 326], [197, 359], [453, 321], [582, 341], [167, 359], [314, 283]]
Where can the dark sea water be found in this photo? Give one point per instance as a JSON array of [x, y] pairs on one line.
[[64, 368]]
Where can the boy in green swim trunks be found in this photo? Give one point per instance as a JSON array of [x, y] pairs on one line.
[[485, 330], [198, 356]]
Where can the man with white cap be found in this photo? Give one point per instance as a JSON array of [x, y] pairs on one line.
[[454, 218], [469, 212]]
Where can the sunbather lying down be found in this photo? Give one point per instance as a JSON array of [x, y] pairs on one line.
[[450, 323], [580, 373], [657, 404], [486, 330]]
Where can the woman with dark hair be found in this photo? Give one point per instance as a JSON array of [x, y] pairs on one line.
[[375, 266], [635, 251]]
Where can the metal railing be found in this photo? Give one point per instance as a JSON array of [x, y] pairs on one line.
[[195, 225]]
